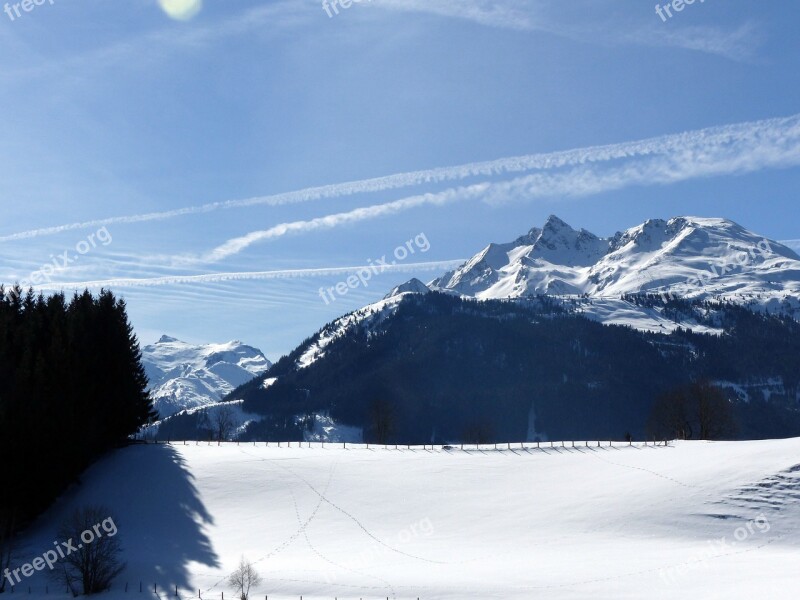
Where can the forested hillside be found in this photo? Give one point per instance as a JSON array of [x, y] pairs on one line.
[[71, 388], [446, 369]]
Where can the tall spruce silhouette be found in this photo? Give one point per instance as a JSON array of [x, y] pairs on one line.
[[72, 387]]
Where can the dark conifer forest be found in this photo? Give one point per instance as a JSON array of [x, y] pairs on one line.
[[71, 388], [460, 370]]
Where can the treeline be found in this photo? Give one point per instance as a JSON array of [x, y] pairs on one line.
[[71, 388], [445, 369]]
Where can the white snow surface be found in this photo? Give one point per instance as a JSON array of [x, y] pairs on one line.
[[325, 429], [184, 376], [368, 316], [656, 256], [700, 520], [692, 257]]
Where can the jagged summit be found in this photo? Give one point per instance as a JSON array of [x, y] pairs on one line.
[[693, 256], [188, 375], [413, 286]]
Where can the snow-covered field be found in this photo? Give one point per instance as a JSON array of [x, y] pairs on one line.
[[706, 520]]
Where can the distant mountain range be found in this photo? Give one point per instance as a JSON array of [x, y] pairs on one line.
[[523, 341], [185, 376], [689, 257]]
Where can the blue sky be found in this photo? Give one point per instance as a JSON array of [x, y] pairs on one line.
[[254, 138]]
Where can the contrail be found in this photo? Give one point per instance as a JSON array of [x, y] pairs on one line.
[[236, 245], [251, 275], [719, 156], [687, 143]]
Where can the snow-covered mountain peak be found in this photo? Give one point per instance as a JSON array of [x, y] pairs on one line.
[[413, 286], [529, 238], [695, 257], [186, 375], [560, 244]]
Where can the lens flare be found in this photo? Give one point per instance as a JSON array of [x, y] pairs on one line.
[[182, 10]]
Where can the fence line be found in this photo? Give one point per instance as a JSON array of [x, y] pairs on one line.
[[500, 446], [174, 592]]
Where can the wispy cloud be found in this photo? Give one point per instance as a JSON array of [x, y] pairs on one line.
[[508, 14], [148, 48], [731, 150], [249, 275], [760, 142], [737, 44], [238, 244]]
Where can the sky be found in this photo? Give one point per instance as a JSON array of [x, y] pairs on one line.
[[218, 163]]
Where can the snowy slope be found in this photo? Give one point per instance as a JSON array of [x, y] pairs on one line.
[[187, 376], [690, 256], [364, 317], [701, 520]]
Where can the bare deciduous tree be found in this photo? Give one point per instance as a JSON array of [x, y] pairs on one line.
[[700, 408], [670, 417], [382, 419], [223, 422], [714, 412], [244, 578], [92, 564], [478, 432]]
